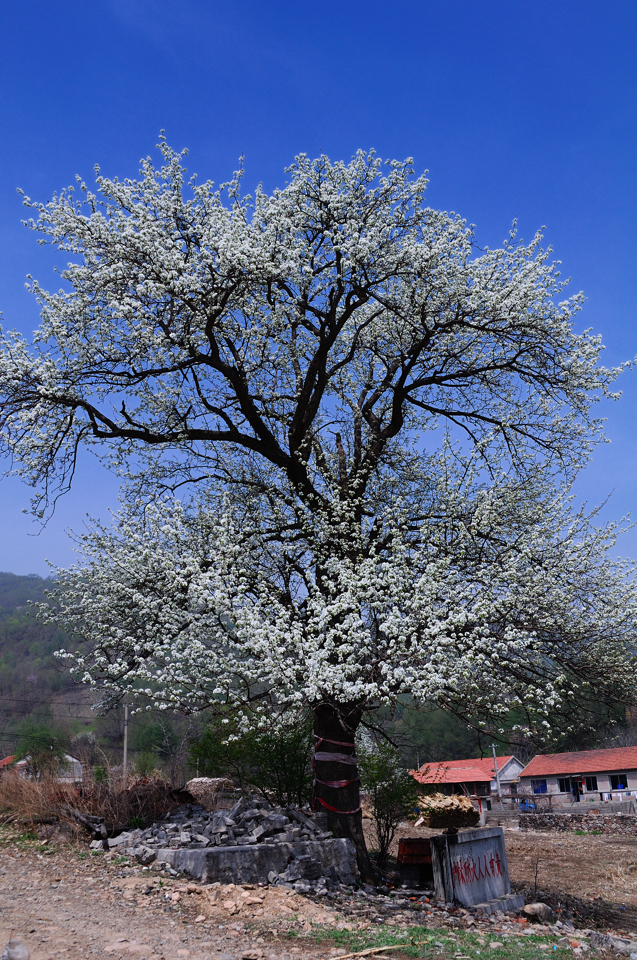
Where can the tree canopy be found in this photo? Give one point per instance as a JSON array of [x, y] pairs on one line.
[[346, 437]]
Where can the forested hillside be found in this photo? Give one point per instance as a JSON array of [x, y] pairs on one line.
[[40, 701], [28, 670], [32, 680]]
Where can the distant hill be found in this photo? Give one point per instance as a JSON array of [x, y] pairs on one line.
[[33, 683], [38, 697]]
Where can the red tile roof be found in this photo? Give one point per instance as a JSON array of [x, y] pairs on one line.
[[582, 761], [460, 771]]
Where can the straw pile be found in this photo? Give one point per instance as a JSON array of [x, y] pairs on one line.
[[438, 810]]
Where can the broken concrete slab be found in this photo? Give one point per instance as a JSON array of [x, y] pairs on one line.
[[511, 904], [252, 864], [123, 839], [606, 941]]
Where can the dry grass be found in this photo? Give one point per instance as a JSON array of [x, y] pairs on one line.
[[29, 799], [33, 801], [144, 800]]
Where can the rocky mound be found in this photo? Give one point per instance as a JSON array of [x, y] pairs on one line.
[[249, 821], [290, 847]]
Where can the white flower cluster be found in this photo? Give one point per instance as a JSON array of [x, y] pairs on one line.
[[370, 427], [186, 612]]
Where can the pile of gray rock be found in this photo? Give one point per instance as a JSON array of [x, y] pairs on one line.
[[249, 821], [624, 824], [251, 842]]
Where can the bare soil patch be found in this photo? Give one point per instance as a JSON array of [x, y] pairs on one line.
[[594, 878], [64, 906], [599, 872]]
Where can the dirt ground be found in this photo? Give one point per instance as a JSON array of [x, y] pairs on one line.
[[69, 905], [65, 907], [595, 876], [600, 871]]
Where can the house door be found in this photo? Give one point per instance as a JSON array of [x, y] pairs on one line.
[[576, 789]]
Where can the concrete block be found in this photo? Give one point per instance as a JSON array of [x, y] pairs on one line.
[[123, 839], [511, 904], [252, 864], [471, 866]]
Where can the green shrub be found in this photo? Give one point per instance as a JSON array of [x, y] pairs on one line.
[[276, 763], [392, 791], [146, 763]]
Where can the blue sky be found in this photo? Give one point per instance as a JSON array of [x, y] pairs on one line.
[[521, 109]]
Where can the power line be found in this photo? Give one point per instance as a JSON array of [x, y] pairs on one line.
[[27, 736], [61, 703], [46, 712], [9, 738]]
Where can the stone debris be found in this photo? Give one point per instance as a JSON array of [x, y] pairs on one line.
[[538, 911], [249, 821], [607, 941], [206, 790], [294, 849]]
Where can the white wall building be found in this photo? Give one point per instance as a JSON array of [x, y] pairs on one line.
[[582, 776]]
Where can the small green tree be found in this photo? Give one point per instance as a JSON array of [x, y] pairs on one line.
[[44, 748], [146, 763], [276, 762], [392, 792], [158, 737]]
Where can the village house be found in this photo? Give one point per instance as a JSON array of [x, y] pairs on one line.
[[473, 778], [69, 771], [585, 775]]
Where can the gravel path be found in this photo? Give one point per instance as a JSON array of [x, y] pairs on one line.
[[64, 907]]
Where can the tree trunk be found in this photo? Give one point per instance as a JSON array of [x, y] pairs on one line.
[[336, 783]]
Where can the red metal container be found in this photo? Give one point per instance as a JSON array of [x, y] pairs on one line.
[[414, 850]]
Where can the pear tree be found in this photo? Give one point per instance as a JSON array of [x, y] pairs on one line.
[[346, 438]]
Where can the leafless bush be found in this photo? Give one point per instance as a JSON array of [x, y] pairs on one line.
[[31, 800], [143, 800], [36, 801]]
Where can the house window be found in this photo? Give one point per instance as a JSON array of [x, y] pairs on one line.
[[564, 784], [618, 781], [591, 783], [538, 786]]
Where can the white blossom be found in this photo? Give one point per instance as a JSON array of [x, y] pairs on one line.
[[346, 438]]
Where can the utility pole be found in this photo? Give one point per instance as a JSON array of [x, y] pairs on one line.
[[125, 763], [497, 774]]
